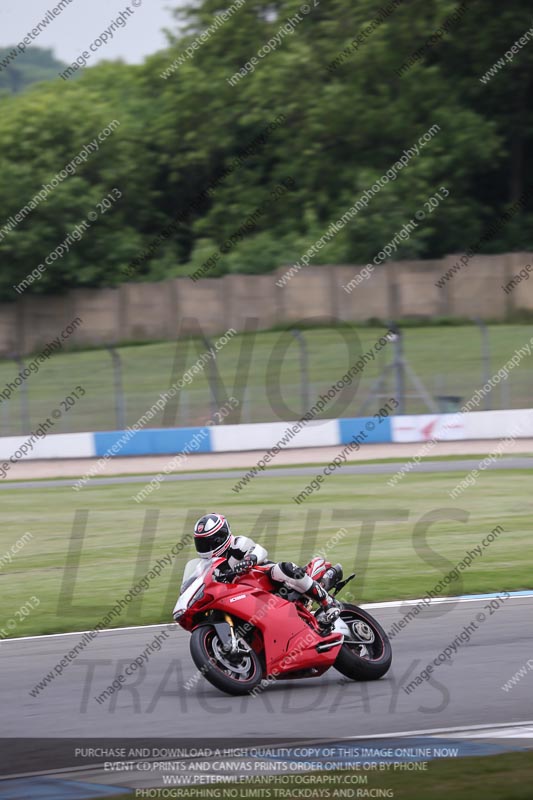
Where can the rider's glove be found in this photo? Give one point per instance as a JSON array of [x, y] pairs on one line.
[[245, 565]]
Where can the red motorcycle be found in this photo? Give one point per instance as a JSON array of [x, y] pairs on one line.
[[248, 631]]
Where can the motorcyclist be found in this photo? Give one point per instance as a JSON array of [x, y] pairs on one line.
[[213, 539]]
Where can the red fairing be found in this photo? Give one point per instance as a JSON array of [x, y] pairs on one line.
[[289, 632]]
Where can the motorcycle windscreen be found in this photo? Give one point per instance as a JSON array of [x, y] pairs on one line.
[[193, 569]]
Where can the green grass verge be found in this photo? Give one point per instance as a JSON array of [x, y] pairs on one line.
[[390, 559], [446, 358], [503, 777]]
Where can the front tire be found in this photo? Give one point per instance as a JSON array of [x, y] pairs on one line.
[[233, 675], [369, 656]]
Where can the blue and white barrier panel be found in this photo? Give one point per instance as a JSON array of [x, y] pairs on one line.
[[153, 441], [365, 430], [264, 436], [58, 445]]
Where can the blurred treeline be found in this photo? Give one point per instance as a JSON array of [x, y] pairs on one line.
[[343, 128], [35, 64]]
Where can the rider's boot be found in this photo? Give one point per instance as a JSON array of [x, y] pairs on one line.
[[330, 608]]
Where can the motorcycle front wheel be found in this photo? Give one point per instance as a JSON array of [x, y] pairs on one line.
[[367, 654], [235, 674]]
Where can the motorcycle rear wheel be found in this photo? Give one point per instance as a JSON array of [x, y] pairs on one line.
[[235, 675], [370, 657]]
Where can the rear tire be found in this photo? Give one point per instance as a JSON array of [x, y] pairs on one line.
[[236, 677], [371, 657]]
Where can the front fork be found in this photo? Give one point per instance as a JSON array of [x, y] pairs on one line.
[[233, 643]]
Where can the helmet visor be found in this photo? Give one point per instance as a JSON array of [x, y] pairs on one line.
[[207, 545]]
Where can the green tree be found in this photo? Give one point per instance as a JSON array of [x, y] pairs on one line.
[[192, 171], [31, 66]]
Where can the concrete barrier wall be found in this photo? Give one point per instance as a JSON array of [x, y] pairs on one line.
[[150, 311], [270, 437]]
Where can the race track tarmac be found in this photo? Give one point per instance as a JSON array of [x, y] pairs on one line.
[[167, 697], [455, 465], [159, 702]]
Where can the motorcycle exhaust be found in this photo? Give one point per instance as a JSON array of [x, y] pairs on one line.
[[331, 576]]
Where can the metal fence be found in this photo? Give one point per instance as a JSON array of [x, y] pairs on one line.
[[273, 382]]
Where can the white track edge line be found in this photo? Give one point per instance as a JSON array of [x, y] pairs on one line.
[[172, 625], [456, 729]]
